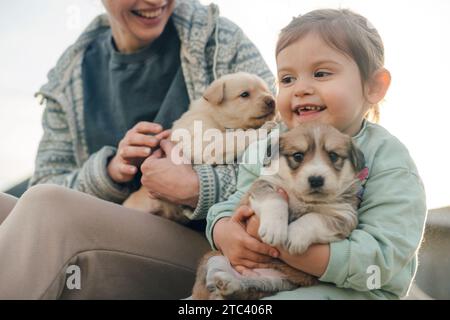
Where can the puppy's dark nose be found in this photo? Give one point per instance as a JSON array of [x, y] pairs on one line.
[[316, 181], [270, 103]]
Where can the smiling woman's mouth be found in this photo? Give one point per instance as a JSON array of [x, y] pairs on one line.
[[149, 14]]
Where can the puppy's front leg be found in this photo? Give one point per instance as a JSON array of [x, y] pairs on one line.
[[273, 212], [141, 201], [308, 229]]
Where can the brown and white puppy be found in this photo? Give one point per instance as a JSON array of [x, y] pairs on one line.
[[235, 101], [318, 169]]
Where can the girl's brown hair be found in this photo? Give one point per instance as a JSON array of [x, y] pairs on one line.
[[346, 31]]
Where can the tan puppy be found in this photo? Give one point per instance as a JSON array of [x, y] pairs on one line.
[[318, 169], [235, 101]]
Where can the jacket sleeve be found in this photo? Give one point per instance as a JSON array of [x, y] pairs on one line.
[[385, 243], [56, 160], [216, 184]]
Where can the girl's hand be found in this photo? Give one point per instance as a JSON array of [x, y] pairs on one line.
[[164, 179], [238, 246], [252, 228], [133, 149]]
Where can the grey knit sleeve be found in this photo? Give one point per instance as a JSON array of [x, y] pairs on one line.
[[217, 183], [56, 161]]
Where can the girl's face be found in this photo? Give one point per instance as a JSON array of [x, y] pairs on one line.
[[137, 23], [317, 82]]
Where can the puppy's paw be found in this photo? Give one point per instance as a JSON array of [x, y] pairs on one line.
[[273, 232], [226, 284], [296, 242]]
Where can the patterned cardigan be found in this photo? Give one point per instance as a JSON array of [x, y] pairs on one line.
[[211, 46]]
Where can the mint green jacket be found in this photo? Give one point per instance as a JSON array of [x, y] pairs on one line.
[[391, 222]]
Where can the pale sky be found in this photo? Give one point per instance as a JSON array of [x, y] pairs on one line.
[[416, 36]]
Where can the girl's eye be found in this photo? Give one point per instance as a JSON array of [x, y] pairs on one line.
[[287, 79], [321, 74], [333, 156], [245, 94], [298, 156]]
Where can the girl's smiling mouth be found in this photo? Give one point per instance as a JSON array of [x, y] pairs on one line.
[[308, 109]]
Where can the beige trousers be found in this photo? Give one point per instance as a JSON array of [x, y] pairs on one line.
[[56, 243]]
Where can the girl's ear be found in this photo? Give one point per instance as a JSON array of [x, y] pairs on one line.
[[378, 85]]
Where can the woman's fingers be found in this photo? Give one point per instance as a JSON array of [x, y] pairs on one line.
[[127, 169], [130, 152], [157, 154], [147, 127], [137, 139], [163, 135]]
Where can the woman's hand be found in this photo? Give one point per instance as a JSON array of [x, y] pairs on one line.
[[238, 246], [164, 179], [133, 149]]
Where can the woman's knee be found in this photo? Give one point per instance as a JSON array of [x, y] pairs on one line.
[[43, 192], [44, 200]]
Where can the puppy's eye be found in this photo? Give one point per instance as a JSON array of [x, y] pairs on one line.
[[298, 156], [333, 156], [245, 94]]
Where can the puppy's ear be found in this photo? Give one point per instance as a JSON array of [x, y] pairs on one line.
[[215, 93], [356, 157]]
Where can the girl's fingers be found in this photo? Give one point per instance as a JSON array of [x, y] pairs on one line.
[[253, 265], [135, 152], [283, 194], [242, 214], [256, 257], [246, 271], [254, 245]]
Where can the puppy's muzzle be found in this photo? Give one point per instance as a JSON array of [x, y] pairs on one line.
[[270, 103], [316, 182]]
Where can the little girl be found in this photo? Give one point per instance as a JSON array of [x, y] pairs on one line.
[[330, 70]]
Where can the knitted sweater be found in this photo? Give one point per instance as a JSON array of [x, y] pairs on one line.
[[211, 46]]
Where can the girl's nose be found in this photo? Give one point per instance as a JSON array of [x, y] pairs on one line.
[[303, 87]]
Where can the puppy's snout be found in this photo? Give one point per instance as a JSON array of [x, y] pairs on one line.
[[316, 181], [270, 102]]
